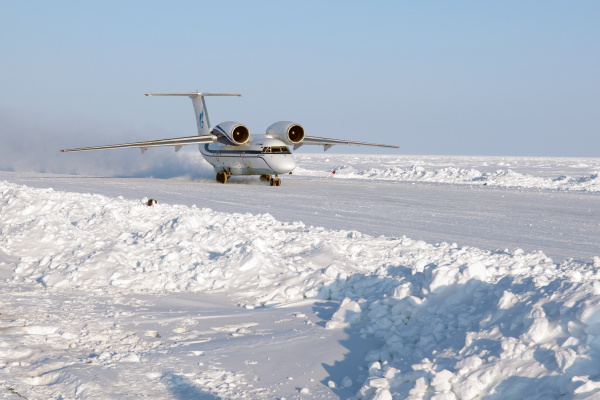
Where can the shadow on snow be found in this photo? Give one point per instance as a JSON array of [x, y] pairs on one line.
[[452, 323]]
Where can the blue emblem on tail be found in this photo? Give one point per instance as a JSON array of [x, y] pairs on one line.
[[201, 119]]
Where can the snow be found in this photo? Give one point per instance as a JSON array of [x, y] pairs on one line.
[[103, 296], [493, 171]]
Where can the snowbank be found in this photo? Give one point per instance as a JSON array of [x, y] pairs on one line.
[[568, 174], [456, 323], [457, 175]]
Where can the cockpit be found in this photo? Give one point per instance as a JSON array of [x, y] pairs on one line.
[[276, 149]]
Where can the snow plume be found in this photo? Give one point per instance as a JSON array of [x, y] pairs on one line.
[[32, 147], [455, 323]]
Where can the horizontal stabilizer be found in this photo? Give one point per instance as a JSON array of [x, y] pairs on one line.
[[202, 121], [192, 94]]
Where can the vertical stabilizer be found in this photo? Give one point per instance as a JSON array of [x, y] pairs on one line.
[[202, 121]]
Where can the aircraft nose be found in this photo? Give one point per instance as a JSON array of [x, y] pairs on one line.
[[285, 164]]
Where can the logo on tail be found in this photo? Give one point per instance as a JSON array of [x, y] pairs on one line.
[[201, 119]]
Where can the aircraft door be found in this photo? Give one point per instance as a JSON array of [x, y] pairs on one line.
[[245, 160]]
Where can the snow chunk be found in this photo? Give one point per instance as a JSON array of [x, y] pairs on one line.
[[476, 270], [348, 313], [537, 331], [507, 300], [347, 382], [383, 394], [468, 389], [589, 312], [441, 381], [587, 387], [40, 330], [46, 379]]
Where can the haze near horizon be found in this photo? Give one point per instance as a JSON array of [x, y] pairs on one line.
[[466, 78]]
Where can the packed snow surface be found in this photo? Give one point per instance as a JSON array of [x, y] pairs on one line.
[[105, 297]]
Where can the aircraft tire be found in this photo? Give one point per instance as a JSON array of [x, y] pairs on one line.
[[272, 181], [224, 177], [277, 182], [221, 177]]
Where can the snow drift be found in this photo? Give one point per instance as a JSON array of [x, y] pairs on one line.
[[456, 175], [455, 323], [533, 173]]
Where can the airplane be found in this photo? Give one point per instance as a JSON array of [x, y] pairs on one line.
[[232, 150]]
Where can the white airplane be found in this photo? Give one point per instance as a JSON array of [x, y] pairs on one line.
[[230, 148]]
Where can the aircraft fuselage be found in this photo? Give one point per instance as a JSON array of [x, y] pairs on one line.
[[261, 155]]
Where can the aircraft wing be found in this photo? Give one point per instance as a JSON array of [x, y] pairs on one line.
[[177, 142], [327, 143]]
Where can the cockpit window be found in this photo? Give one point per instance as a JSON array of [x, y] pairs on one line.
[[276, 149]]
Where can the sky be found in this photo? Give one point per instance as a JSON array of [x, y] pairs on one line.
[[450, 78]]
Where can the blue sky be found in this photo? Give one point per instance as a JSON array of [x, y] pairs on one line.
[[461, 77]]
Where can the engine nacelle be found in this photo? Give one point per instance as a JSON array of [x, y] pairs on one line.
[[286, 131], [234, 131]]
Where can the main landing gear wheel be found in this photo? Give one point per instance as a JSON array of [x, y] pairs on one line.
[[265, 178], [274, 181], [221, 177]]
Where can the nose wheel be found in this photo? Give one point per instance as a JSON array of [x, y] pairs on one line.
[[273, 180]]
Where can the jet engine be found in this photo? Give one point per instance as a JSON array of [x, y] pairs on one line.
[[234, 131], [286, 131]]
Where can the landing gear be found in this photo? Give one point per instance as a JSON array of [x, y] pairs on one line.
[[222, 177], [275, 181]]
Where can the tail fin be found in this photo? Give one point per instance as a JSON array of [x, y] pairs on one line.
[[202, 120]]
